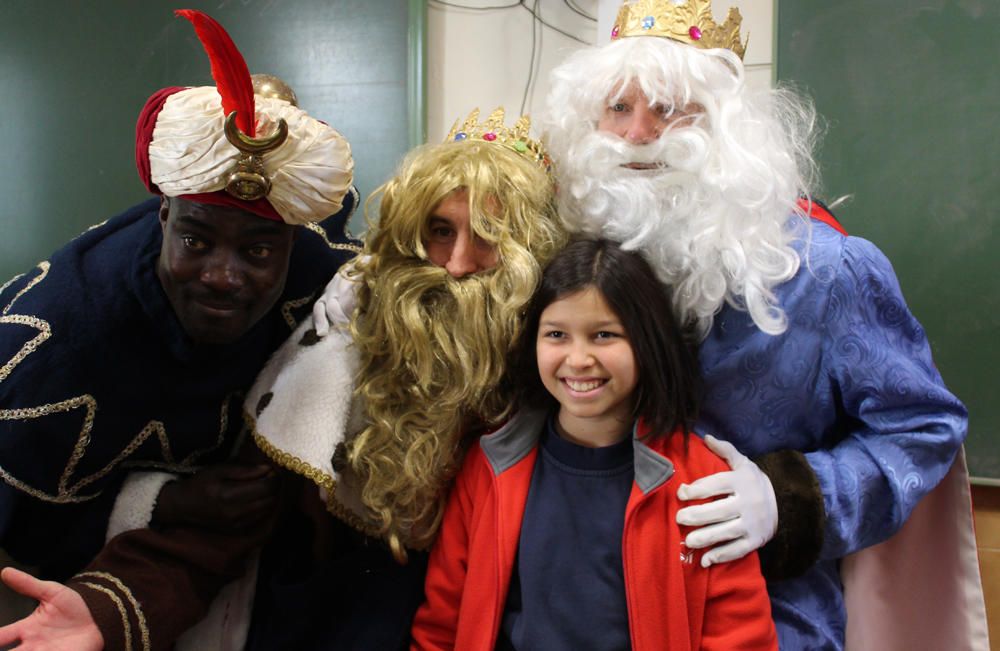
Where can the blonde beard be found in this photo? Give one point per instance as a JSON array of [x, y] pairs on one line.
[[711, 244], [433, 353]]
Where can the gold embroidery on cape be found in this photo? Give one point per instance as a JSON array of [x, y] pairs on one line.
[[321, 479], [10, 282], [319, 230], [43, 327], [66, 493], [161, 433], [24, 488], [81, 447], [154, 426], [83, 439], [69, 494], [136, 608], [355, 521], [336, 246], [286, 460], [43, 267], [351, 518], [288, 306], [126, 626], [95, 226], [30, 346]]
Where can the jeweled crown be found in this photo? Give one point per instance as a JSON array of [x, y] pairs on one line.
[[686, 21], [494, 130]]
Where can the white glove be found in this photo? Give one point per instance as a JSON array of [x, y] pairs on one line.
[[335, 306], [745, 519]]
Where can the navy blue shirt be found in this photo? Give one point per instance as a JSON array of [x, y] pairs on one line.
[[567, 591]]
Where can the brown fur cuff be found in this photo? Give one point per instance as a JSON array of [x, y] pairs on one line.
[[801, 516]]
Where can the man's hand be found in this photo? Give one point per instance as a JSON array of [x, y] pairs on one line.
[[61, 622], [744, 519], [222, 497]]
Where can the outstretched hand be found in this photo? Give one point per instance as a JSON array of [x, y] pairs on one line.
[[744, 518], [61, 622]]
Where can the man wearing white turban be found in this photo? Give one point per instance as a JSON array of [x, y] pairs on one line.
[[130, 348]]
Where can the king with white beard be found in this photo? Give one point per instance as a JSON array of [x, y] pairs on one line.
[[812, 363]]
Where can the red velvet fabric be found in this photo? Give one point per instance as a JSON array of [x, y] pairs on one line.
[[819, 212], [144, 133]]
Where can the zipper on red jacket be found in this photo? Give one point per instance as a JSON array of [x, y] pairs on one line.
[[498, 607], [629, 513], [626, 568]]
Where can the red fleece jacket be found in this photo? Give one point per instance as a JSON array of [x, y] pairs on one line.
[[673, 603]]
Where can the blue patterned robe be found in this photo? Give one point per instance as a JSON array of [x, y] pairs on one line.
[[852, 385]]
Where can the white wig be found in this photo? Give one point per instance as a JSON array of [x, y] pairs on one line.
[[713, 217]]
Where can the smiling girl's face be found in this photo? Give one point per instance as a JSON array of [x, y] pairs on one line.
[[586, 362]]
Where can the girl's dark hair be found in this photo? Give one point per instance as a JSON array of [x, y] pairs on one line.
[[668, 373]]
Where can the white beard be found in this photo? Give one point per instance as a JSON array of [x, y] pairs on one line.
[[709, 238]]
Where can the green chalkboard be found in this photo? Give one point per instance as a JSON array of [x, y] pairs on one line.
[[910, 90], [74, 75]]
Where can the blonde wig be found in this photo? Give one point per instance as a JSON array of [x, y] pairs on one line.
[[434, 348], [713, 216]]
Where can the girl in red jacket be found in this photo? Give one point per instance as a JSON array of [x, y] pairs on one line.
[[560, 531]]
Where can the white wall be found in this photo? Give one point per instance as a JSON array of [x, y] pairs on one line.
[[758, 24], [480, 58]]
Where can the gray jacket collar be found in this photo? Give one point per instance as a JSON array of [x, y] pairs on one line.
[[511, 443]]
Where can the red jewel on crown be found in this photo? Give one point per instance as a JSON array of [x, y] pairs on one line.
[[694, 33], [614, 32], [489, 137]]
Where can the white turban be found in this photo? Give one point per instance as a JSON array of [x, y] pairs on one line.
[[189, 154]]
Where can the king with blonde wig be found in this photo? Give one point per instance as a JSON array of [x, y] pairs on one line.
[[374, 410], [433, 348]]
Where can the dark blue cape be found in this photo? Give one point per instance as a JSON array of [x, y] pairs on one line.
[[99, 378]]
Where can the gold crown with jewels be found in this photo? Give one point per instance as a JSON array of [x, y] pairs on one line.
[[686, 21], [494, 130]]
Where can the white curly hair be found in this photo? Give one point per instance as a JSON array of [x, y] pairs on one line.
[[713, 216]]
